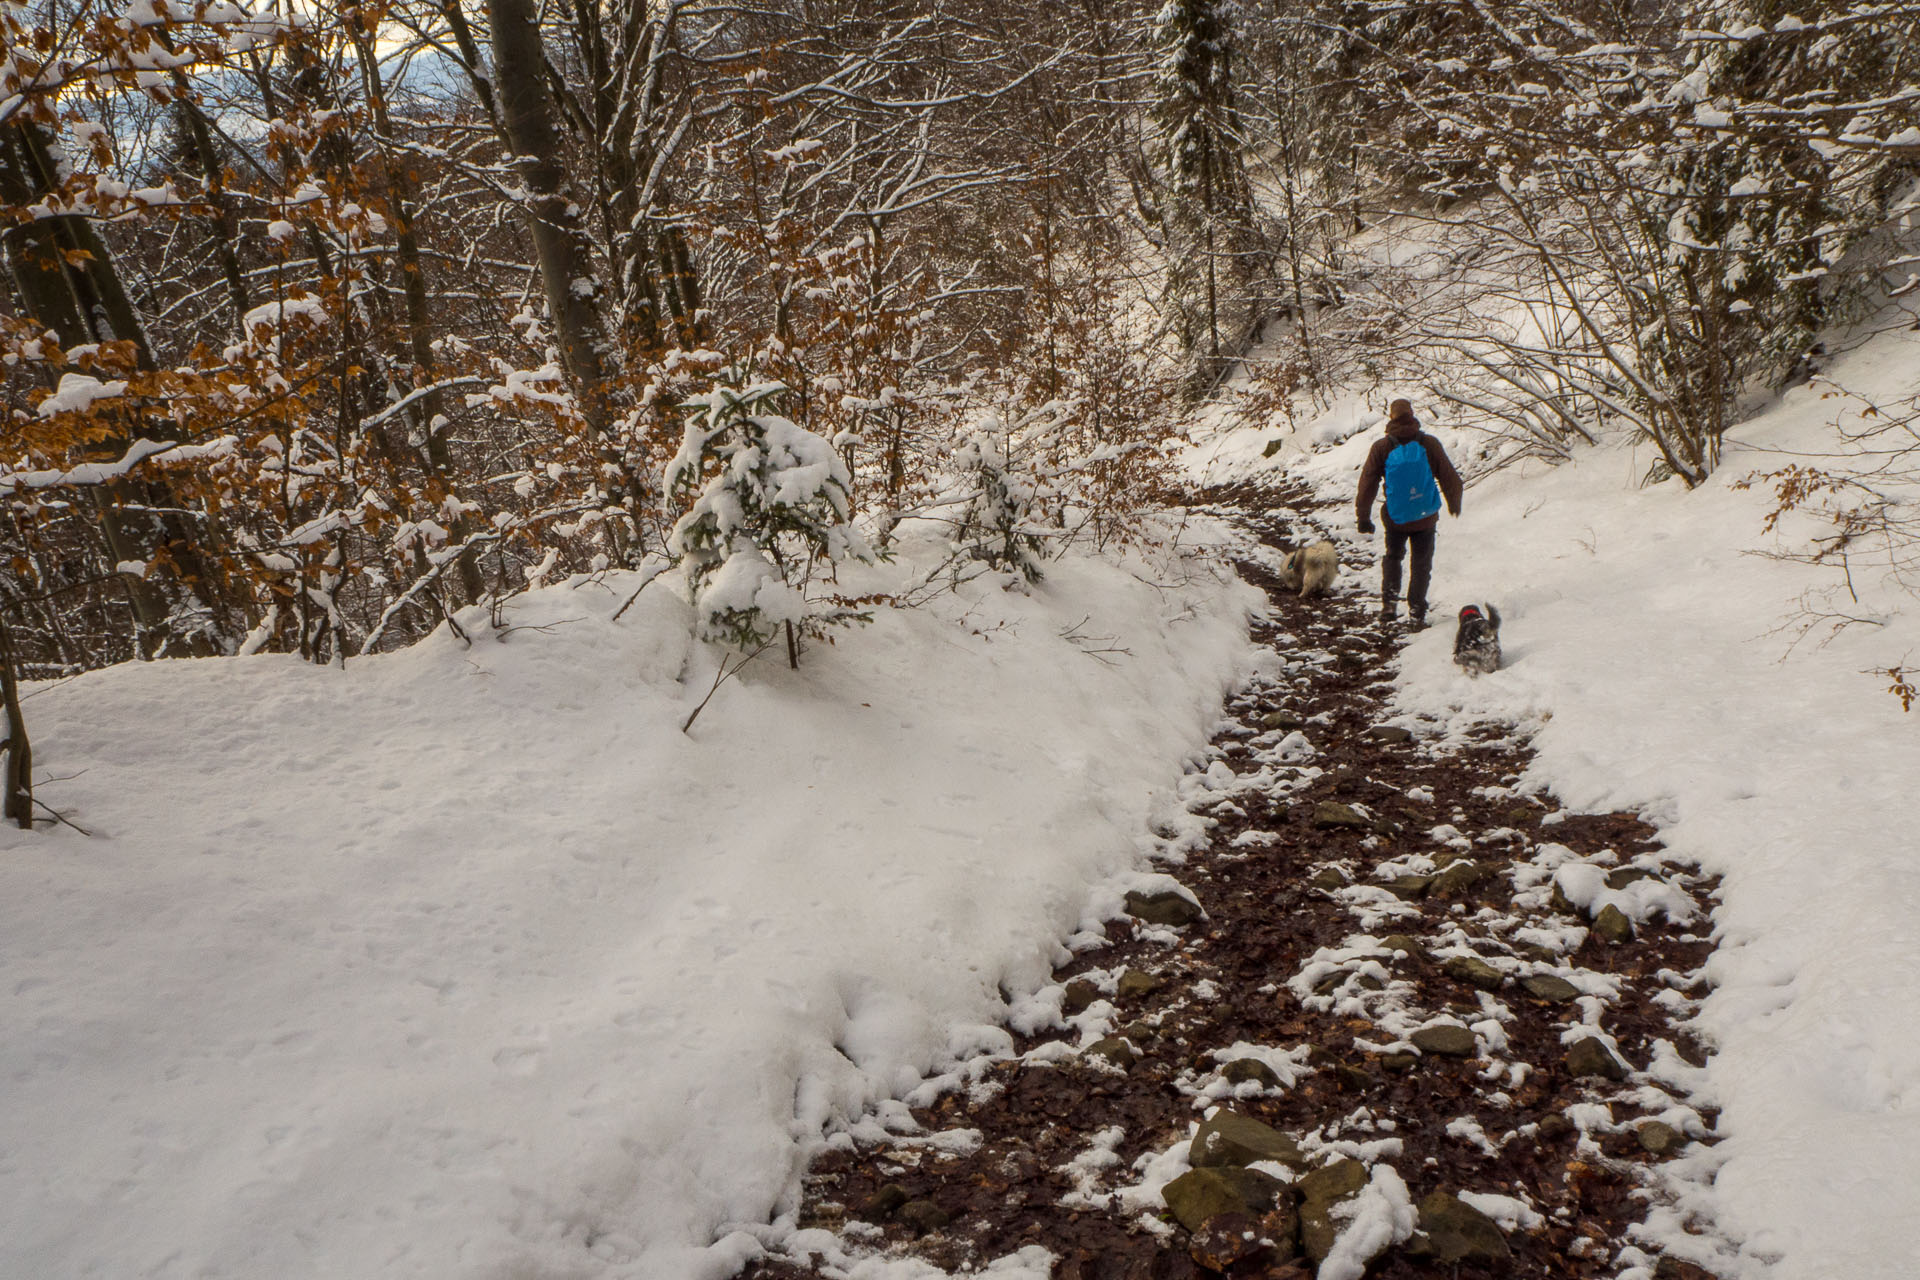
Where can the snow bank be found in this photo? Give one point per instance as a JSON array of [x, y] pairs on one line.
[[1647, 646], [465, 962]]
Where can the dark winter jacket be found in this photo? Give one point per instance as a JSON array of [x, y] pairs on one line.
[[1399, 431]]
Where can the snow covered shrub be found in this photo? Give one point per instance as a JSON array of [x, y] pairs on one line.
[[998, 526], [770, 502]]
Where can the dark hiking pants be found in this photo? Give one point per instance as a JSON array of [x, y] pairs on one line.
[[1422, 570]]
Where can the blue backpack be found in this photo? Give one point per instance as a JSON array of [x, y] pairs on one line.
[[1412, 492]]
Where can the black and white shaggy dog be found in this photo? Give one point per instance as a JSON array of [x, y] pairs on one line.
[[1476, 646]]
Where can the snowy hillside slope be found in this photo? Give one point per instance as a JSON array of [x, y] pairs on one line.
[[464, 962], [1650, 650]]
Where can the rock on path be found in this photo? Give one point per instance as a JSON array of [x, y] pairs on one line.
[[1409, 1036]]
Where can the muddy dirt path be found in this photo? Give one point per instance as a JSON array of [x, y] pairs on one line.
[[1437, 1018]]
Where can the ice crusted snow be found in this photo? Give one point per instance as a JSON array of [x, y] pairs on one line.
[[465, 962]]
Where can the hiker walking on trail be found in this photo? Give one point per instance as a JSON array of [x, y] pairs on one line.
[[1415, 472]]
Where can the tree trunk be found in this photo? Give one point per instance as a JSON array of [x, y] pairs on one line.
[[16, 771], [553, 213]]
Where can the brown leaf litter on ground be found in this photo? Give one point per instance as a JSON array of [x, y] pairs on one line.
[[1386, 939]]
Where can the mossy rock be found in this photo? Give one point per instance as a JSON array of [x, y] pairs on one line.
[[1079, 995], [1613, 925], [1589, 1056], [1459, 879], [1228, 1138], [1445, 1040], [1166, 908], [1281, 720], [1329, 878], [1332, 1182], [1137, 982], [1659, 1139], [1199, 1195], [924, 1216], [1549, 987], [1457, 1232], [1621, 877], [1474, 971], [1331, 814], [1319, 1192], [1409, 888], [1246, 1070], [1399, 1061], [884, 1203], [1115, 1051], [1404, 944]]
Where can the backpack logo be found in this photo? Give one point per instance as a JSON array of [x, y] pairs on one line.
[[1412, 492]]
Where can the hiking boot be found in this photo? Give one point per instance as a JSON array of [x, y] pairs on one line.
[[1388, 612], [1417, 620]]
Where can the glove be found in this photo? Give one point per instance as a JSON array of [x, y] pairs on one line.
[[1366, 526]]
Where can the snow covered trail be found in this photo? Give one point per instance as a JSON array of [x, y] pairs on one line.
[[1647, 636], [464, 962]]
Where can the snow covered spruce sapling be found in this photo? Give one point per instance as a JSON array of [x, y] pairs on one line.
[[771, 502], [998, 526]]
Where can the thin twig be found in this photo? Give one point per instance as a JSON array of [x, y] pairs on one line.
[[721, 678], [59, 817], [644, 584]]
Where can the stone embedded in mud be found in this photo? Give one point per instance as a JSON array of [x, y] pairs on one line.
[[1612, 924], [1332, 1182], [1456, 1232], [1319, 1192], [1458, 879], [1521, 816], [1281, 720], [1138, 982], [1446, 1039], [1390, 733], [1409, 888], [1079, 994], [1474, 971], [1242, 1070], [1406, 944], [1589, 1056], [1548, 987], [1115, 1051], [1560, 902], [1352, 1077], [1199, 1195], [1621, 877], [1331, 813], [924, 1216], [1229, 1138], [1399, 1061], [1658, 1138], [1329, 878], [884, 1203], [1226, 1239], [1165, 907]]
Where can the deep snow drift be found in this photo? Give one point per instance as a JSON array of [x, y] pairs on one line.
[[1650, 651], [464, 962]]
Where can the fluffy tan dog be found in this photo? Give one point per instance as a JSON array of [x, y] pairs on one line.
[[1311, 570]]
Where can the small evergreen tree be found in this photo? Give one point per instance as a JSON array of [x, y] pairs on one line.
[[770, 503], [998, 526]]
